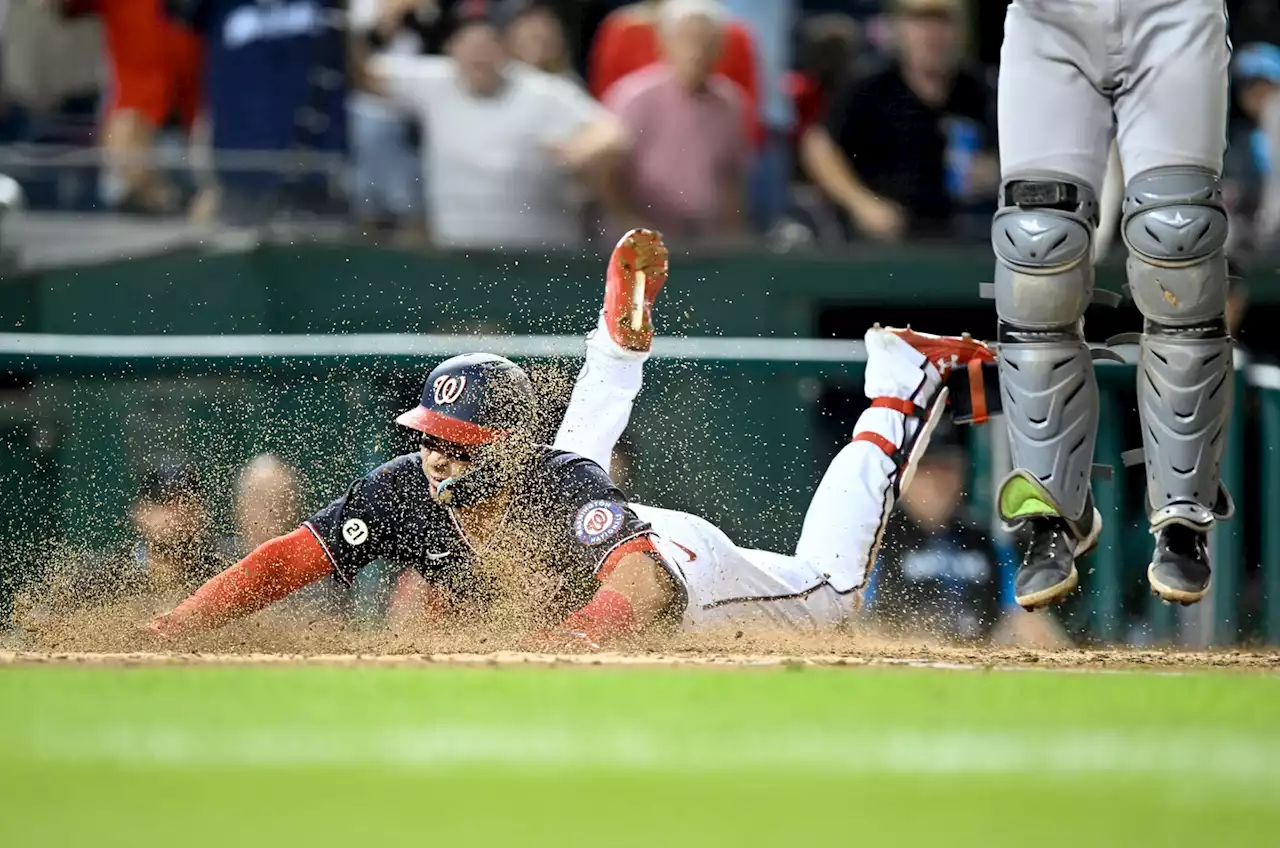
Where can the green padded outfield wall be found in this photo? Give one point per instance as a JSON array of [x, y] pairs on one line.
[[326, 289]]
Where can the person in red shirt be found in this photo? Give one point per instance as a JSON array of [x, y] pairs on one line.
[[627, 41], [156, 68]]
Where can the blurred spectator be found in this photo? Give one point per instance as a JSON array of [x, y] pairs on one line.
[[628, 41], [830, 45], [938, 571], [503, 140], [385, 145], [1254, 21], [689, 151], [1256, 74], [883, 154], [175, 550], [829, 50], [268, 503], [178, 549], [48, 62], [156, 78], [276, 83], [772, 25], [535, 35]]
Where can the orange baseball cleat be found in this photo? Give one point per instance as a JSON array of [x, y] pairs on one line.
[[945, 352], [637, 270]]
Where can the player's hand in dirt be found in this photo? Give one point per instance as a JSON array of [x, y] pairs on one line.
[[882, 220], [157, 629]]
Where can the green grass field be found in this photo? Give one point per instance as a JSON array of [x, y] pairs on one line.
[[294, 755]]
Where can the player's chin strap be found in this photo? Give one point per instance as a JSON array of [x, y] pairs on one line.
[[469, 488]]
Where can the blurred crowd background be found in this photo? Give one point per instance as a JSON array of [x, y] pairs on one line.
[[548, 123], [519, 125]]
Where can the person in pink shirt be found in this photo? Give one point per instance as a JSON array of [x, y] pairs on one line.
[[690, 151]]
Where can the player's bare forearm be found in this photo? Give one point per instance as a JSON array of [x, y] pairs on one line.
[[635, 595]]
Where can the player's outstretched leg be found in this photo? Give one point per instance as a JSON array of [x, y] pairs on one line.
[[1043, 237], [1175, 227], [610, 379], [905, 381]]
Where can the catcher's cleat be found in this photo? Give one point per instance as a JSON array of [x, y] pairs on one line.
[[637, 270], [945, 352], [1179, 571], [1052, 543], [1048, 570]]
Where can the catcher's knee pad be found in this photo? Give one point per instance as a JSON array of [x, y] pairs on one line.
[[1175, 227], [1043, 240]]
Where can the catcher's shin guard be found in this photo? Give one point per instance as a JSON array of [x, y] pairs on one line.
[[1043, 240], [1175, 227]]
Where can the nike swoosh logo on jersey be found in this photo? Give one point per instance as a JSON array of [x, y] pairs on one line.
[[439, 556], [692, 555]]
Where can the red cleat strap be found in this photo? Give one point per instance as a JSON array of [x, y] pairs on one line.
[[978, 389], [889, 448], [906, 407]]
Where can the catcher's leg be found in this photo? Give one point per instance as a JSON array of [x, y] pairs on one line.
[[610, 379], [1176, 228], [1171, 122], [1056, 121], [905, 381], [1043, 240]]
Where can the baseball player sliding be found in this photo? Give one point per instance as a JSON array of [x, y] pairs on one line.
[[480, 497], [1153, 74]]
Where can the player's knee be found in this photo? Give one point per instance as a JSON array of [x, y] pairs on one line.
[[1043, 239], [1175, 226]]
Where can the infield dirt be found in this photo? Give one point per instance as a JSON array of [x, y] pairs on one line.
[[111, 635]]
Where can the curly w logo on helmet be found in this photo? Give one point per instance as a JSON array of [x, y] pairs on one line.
[[448, 388]]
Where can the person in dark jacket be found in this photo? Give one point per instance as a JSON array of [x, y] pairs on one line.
[[938, 571]]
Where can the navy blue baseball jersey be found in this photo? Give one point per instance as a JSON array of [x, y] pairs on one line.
[[565, 517]]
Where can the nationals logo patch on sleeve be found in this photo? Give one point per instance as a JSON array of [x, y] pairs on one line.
[[598, 521]]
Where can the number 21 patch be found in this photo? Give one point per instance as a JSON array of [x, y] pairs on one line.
[[597, 521]]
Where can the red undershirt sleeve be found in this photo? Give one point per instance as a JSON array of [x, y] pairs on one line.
[[608, 615], [273, 571]]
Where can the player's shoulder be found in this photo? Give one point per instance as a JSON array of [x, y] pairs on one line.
[[401, 474], [562, 474], [553, 462]]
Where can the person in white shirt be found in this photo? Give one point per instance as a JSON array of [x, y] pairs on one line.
[[503, 140]]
